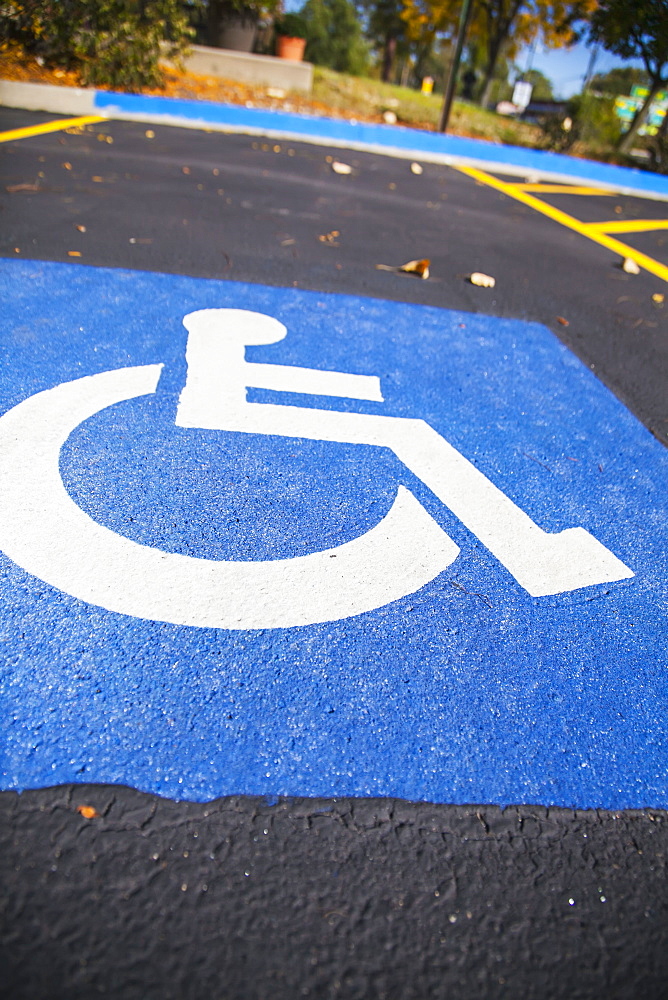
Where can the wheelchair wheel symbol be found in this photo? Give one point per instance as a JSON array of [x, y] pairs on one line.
[[48, 535]]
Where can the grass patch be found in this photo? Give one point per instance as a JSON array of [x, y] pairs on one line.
[[359, 97]]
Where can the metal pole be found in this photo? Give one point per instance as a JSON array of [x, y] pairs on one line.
[[590, 68], [454, 67]]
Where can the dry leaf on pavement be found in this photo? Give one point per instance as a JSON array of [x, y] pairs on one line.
[[630, 266], [330, 238], [341, 168], [483, 280], [88, 812], [416, 168], [417, 267]]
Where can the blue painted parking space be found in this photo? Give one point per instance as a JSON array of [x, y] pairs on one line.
[[275, 542]]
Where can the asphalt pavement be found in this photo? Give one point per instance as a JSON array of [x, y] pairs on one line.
[[455, 785]]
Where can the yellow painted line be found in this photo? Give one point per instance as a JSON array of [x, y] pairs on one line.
[[564, 189], [57, 126], [651, 265], [630, 226]]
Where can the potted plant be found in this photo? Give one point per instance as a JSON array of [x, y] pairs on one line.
[[232, 24], [291, 34]]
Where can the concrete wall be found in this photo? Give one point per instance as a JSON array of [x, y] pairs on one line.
[[247, 67]]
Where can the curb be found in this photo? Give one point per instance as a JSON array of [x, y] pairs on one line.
[[387, 140]]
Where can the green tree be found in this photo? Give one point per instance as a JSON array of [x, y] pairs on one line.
[[542, 85], [386, 28], [115, 43], [334, 36], [619, 80], [635, 31]]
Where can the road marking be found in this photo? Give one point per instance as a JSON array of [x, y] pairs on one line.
[[569, 221], [564, 189], [57, 126], [628, 226], [468, 689], [405, 551]]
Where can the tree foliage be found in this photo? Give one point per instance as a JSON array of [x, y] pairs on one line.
[[334, 36], [116, 43], [500, 28], [619, 80], [635, 31], [387, 29]]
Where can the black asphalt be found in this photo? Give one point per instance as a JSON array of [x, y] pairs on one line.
[[339, 898]]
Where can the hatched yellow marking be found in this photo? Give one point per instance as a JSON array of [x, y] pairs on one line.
[[565, 189], [628, 226], [583, 228], [57, 126]]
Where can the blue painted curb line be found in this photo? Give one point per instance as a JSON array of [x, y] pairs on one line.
[[385, 139]]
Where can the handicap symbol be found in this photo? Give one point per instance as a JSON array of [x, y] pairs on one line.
[[44, 531]]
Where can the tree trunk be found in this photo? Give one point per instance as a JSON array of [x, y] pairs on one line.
[[625, 143], [389, 54], [490, 70]]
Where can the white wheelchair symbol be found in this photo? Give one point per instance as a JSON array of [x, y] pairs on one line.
[[48, 535]]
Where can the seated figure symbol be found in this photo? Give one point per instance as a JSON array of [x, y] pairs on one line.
[[48, 535]]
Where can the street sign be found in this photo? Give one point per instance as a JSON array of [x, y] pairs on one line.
[[267, 541]]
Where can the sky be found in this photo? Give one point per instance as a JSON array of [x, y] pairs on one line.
[[566, 68]]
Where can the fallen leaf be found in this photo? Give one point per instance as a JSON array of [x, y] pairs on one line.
[[13, 188], [97, 180], [17, 249], [66, 166], [416, 168], [618, 209], [630, 266], [418, 267], [88, 812], [483, 280], [562, 321], [389, 117], [109, 139], [82, 229], [658, 297], [149, 133], [392, 186], [341, 168], [276, 148], [288, 243], [185, 170], [215, 171], [73, 253], [330, 238]]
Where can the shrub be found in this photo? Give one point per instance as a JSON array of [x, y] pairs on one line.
[[113, 43], [292, 26]]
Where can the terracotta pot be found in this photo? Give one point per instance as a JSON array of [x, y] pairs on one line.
[[290, 48]]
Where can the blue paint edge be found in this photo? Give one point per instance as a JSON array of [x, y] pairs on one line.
[[379, 138]]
